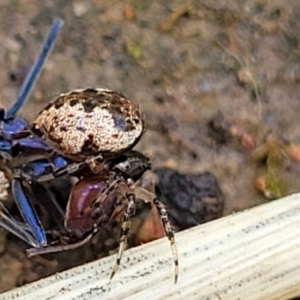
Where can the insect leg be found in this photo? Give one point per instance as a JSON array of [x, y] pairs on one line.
[[27, 211], [21, 230], [36, 69]]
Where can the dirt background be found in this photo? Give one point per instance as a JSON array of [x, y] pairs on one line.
[[218, 82]]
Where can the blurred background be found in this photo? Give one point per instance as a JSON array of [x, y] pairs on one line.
[[218, 83]]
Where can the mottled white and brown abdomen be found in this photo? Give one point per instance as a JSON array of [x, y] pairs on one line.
[[91, 121]]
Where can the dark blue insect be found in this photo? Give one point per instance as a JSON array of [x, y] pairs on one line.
[[15, 137]]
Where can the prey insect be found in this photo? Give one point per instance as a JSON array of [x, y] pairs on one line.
[[15, 136]]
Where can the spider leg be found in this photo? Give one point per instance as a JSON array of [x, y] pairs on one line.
[[96, 203], [72, 168], [169, 233], [148, 181], [54, 249], [125, 227], [105, 193], [53, 169]]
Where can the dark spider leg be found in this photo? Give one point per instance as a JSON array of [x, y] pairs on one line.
[[169, 233], [36, 69], [97, 202], [125, 227], [70, 169], [63, 171], [53, 249], [45, 170]]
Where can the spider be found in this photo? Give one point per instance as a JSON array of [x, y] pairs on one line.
[[88, 134]]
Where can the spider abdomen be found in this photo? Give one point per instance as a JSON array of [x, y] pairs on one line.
[[90, 121]]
